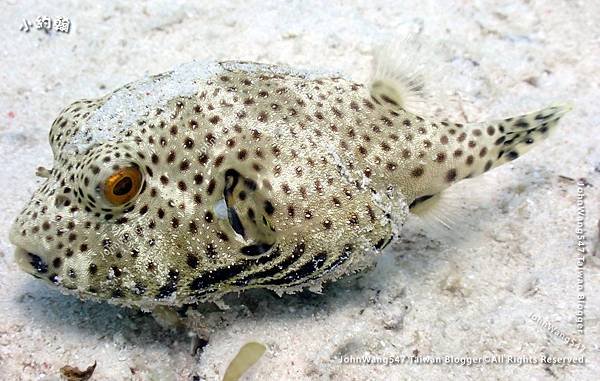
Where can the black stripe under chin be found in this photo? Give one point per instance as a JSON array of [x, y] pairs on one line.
[[346, 251], [278, 268], [209, 278], [305, 270]]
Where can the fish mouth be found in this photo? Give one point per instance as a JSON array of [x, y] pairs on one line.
[[30, 262]]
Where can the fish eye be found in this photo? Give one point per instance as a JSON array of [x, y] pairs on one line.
[[122, 185]]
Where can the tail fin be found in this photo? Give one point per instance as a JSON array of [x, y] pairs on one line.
[[479, 147], [520, 134], [490, 144]]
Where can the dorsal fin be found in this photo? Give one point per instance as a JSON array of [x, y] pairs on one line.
[[396, 80], [400, 71]]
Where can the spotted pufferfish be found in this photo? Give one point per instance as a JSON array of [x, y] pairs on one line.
[[226, 176]]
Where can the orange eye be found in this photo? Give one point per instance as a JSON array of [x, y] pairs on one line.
[[122, 185]]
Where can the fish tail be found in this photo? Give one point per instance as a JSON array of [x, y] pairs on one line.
[[476, 148], [519, 134]]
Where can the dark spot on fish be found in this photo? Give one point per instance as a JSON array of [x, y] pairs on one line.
[[451, 175], [38, 263]]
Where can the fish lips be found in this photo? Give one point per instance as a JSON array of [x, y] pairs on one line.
[[29, 261]]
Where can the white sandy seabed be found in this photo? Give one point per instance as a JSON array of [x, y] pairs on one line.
[[506, 287]]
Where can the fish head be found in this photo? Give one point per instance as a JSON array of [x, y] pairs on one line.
[[78, 231], [132, 207]]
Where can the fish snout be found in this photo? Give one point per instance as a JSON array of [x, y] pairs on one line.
[[31, 263], [32, 246]]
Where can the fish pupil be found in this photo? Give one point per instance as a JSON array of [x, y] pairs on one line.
[[123, 186]]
